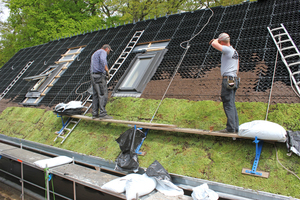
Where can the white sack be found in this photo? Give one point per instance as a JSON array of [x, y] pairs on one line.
[[202, 192], [52, 162], [74, 105], [141, 185], [264, 130], [71, 105], [118, 185], [168, 188]]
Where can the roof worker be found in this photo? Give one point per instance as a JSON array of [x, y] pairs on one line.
[[230, 82], [99, 71]]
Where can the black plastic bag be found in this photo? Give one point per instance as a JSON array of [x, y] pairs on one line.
[[127, 162], [156, 170], [293, 142], [128, 142], [125, 140]]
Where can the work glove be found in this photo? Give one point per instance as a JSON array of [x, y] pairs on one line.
[[108, 76]]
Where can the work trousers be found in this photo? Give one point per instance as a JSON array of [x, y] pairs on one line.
[[228, 99], [100, 94]]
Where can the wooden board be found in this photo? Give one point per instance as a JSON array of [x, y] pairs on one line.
[[139, 124], [263, 174], [165, 127]]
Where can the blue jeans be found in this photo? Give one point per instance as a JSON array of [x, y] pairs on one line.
[[100, 94], [228, 99]]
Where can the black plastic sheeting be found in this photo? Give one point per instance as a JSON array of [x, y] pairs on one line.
[[158, 171]]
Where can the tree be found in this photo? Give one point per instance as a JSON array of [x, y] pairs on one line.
[[33, 22]]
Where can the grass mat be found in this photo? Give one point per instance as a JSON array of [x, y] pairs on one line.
[[213, 158]]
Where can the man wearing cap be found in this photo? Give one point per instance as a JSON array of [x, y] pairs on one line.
[[230, 82], [99, 71]]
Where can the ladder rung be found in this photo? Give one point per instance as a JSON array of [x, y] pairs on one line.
[[89, 100], [298, 83], [280, 34], [298, 72], [67, 129], [61, 136], [288, 56], [73, 121], [295, 63], [286, 48], [288, 40], [275, 29]]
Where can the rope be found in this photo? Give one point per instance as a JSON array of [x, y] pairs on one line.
[[178, 65], [282, 164], [199, 31], [82, 93], [170, 82], [273, 83], [271, 86]]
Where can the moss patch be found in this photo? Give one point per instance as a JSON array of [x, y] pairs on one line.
[[206, 157]]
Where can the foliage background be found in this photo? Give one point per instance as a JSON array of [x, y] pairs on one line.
[[34, 22], [212, 158]]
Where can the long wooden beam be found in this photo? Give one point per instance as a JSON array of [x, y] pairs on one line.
[[163, 127], [140, 124]]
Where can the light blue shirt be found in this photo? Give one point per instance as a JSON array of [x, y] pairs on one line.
[[98, 61], [229, 61]]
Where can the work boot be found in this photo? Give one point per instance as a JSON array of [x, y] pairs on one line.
[[106, 117], [226, 131]]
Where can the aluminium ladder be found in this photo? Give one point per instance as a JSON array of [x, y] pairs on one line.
[[71, 123], [288, 51], [16, 79]]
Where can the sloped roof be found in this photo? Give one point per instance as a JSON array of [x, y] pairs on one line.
[[198, 77]]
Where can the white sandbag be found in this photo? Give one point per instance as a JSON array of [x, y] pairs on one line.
[[74, 104], [202, 192], [264, 130], [52, 162], [141, 185], [118, 185], [168, 188], [71, 105]]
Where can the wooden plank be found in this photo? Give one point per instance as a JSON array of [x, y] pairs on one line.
[[166, 127], [140, 124], [264, 174], [195, 131]]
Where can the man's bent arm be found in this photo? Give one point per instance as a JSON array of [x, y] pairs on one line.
[[216, 45]]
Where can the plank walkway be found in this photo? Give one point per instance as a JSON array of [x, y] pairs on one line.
[[163, 127]]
